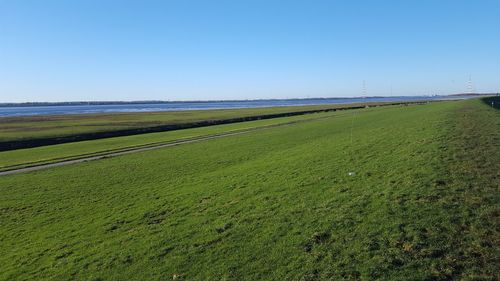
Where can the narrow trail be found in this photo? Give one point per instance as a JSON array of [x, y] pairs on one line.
[[114, 154], [148, 147]]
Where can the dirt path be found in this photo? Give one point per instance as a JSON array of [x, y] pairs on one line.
[[114, 154]]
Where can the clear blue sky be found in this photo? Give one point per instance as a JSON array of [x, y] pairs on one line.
[[205, 50]]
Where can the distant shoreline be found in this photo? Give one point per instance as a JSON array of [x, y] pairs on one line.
[[77, 103]]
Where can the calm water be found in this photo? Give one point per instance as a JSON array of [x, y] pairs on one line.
[[176, 106]]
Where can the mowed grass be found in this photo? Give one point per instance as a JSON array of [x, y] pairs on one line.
[[35, 127], [52, 153], [274, 204]]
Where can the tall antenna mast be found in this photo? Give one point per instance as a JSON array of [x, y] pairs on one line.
[[470, 88], [364, 89]]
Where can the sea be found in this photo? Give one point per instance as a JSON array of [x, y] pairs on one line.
[[14, 111]]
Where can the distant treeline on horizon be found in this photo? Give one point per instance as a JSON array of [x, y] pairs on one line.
[[75, 103]]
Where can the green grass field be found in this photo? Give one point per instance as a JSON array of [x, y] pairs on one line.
[[273, 204], [47, 154], [30, 127]]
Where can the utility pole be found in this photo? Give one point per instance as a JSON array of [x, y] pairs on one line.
[[470, 88]]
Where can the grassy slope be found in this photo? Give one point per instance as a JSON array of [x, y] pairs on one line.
[[51, 153], [17, 128], [275, 204]]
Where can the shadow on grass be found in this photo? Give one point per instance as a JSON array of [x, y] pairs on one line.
[[492, 101]]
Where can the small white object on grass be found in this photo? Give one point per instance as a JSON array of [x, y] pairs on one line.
[[352, 173]]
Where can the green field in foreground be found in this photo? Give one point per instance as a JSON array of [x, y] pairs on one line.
[[274, 204], [29, 127]]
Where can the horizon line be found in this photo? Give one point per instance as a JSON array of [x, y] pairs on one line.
[[237, 100]]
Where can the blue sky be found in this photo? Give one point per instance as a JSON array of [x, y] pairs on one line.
[[206, 50]]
